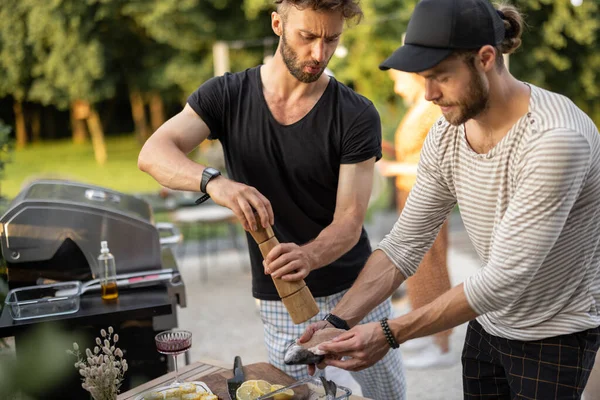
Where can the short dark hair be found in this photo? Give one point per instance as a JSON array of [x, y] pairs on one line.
[[514, 25], [350, 8]]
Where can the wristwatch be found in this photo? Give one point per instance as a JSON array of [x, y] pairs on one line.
[[208, 174], [336, 321]]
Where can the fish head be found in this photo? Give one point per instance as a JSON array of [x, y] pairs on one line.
[[297, 355]]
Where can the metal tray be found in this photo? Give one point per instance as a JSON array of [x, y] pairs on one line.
[[41, 300], [200, 388]]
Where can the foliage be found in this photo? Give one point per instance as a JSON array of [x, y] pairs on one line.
[[70, 59], [42, 363], [6, 147], [561, 50], [15, 52], [57, 51]]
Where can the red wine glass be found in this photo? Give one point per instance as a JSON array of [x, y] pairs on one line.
[[174, 342]]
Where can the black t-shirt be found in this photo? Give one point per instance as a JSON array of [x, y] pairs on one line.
[[295, 166]]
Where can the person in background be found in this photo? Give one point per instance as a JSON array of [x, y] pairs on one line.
[[523, 165], [300, 149]]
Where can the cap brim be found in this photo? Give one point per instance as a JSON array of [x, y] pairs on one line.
[[413, 58]]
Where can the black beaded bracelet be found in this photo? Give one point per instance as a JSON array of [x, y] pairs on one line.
[[388, 334]]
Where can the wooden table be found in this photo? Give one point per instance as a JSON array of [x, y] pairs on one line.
[[192, 372], [207, 371]]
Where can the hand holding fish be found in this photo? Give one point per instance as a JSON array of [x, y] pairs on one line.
[[362, 346], [289, 262]]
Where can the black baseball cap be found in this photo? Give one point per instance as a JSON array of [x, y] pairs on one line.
[[437, 27]]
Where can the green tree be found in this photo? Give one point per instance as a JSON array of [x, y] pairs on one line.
[[16, 62], [561, 50], [69, 68]]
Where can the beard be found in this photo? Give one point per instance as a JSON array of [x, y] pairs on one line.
[[290, 58], [472, 104]]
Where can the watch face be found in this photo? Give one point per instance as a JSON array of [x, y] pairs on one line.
[[207, 175]]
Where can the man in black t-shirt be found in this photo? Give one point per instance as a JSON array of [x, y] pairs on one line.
[[300, 149]]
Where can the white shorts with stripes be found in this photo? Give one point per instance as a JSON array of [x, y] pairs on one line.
[[383, 381]]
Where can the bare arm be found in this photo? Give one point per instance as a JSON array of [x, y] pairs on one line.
[[164, 157], [375, 283], [366, 344], [292, 262]]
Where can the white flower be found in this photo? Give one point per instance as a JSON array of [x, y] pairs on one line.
[[102, 374]]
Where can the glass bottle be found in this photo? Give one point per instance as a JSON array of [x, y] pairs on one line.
[[108, 274]]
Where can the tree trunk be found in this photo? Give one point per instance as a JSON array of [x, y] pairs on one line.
[[78, 115], [97, 134], [21, 131], [36, 124], [139, 115], [157, 111]]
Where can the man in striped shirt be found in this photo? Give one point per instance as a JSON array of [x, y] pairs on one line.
[[523, 165]]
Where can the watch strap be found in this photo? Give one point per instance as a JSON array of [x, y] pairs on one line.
[[336, 321]]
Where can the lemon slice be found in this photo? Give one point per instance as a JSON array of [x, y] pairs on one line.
[[285, 395], [249, 382], [247, 393], [262, 387]]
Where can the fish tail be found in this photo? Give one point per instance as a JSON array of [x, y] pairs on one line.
[[330, 388]]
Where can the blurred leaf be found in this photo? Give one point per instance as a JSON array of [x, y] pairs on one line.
[[42, 362]]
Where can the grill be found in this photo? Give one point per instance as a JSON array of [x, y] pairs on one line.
[[52, 232]]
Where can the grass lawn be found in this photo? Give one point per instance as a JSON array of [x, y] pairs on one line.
[[65, 160]]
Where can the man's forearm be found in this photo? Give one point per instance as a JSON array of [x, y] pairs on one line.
[[447, 311], [334, 241], [376, 282], [166, 163]]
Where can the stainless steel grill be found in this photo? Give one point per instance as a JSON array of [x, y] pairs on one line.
[[52, 232]]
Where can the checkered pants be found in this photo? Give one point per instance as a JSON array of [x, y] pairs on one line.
[[552, 368], [382, 381]]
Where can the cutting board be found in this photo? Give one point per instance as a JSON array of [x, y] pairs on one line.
[[217, 382]]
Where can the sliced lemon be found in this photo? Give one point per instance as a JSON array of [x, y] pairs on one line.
[[285, 395], [249, 382], [247, 393], [263, 387]]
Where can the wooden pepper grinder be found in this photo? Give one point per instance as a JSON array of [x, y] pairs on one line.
[[296, 296]]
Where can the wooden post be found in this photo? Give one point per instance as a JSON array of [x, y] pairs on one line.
[[220, 58]]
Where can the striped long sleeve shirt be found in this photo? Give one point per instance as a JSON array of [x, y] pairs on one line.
[[531, 207]]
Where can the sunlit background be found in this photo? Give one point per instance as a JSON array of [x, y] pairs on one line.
[[83, 83]]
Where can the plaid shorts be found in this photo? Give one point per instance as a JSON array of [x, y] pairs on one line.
[[552, 368], [382, 381]]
